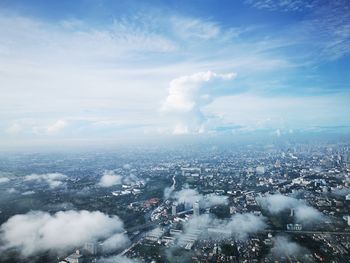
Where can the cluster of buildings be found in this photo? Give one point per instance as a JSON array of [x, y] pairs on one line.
[[317, 174]]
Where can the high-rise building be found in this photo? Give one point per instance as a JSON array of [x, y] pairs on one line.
[[294, 227], [75, 257], [91, 248], [174, 209], [292, 212], [196, 209]]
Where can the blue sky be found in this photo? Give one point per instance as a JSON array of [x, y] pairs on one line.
[[90, 70]]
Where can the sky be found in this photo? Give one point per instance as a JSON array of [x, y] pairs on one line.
[[82, 71]]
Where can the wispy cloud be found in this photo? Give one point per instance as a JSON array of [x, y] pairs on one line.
[[195, 29], [284, 5], [325, 28], [76, 79]]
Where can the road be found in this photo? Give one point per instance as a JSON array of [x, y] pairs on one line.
[[307, 232], [143, 226]]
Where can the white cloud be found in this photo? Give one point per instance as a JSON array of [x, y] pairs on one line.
[[280, 112], [187, 195], [14, 128], [283, 246], [37, 231], [326, 30], [277, 203], [285, 5], [28, 193], [56, 127], [87, 82], [240, 226], [50, 129], [118, 259], [190, 196], [196, 29], [304, 214], [30, 126], [169, 190], [187, 95], [109, 178], [12, 190], [186, 92], [278, 133], [181, 128], [52, 179], [114, 241], [4, 180]]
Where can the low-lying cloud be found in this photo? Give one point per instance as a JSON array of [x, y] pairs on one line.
[[118, 259], [240, 226], [168, 191], [39, 231], [115, 241], [190, 196], [109, 178], [304, 213], [52, 179], [4, 180], [285, 247]]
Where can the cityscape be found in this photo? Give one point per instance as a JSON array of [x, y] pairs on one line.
[[174, 131], [236, 203]]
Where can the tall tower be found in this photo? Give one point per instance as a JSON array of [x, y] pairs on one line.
[[292, 212], [196, 211], [174, 209]]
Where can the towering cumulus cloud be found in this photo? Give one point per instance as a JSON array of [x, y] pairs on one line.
[[188, 94], [37, 231]]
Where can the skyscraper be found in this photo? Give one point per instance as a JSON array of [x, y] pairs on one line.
[[174, 209], [196, 211]]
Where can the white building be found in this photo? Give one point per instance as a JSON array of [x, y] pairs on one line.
[[91, 248], [196, 209], [75, 257]]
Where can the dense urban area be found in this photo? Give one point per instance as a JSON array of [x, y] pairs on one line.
[[278, 202]]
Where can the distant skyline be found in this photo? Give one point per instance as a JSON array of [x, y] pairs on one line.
[[78, 71]]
